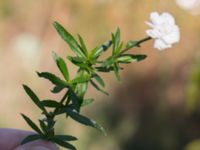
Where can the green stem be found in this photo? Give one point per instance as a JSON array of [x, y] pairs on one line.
[[136, 44], [50, 119], [61, 102]]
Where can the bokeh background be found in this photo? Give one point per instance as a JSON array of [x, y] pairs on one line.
[[155, 107]]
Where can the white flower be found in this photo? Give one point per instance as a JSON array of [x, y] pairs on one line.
[[193, 6], [188, 4], [164, 30]]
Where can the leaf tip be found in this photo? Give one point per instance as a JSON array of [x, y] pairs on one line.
[[55, 23]]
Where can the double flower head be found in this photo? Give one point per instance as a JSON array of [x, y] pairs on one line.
[[164, 30]]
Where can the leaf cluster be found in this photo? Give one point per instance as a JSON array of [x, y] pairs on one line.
[[89, 65]]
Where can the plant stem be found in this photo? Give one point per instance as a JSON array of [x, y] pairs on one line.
[[50, 119], [61, 102], [136, 44], [144, 40]]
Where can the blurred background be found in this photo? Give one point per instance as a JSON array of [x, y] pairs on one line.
[[157, 104]]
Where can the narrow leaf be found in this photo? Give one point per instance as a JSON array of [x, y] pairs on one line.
[[116, 71], [66, 137], [99, 50], [118, 50], [128, 58], [43, 126], [81, 79], [87, 102], [32, 124], [67, 37], [116, 41], [109, 62], [83, 46], [34, 97], [31, 138], [81, 89], [57, 89], [53, 79], [84, 120], [98, 88], [61, 65], [78, 62], [51, 103], [76, 101], [99, 80], [132, 44], [63, 143], [104, 69]]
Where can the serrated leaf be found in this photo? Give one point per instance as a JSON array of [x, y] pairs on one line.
[[32, 124], [61, 65], [63, 143], [96, 52], [67, 37], [51, 103], [83, 46], [34, 97], [99, 80], [84, 120], [53, 79], [87, 102], [30, 138], [98, 88], [66, 137], [128, 58]]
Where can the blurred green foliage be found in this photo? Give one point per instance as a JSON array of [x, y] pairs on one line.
[[193, 101]]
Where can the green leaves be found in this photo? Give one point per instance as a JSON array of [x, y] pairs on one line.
[[66, 137], [61, 65], [69, 39], [87, 102], [117, 46], [32, 124], [96, 52], [34, 97], [31, 138], [83, 46], [129, 58], [51, 103], [84, 120], [131, 44], [81, 79], [63, 143], [98, 88], [53, 79], [89, 65], [116, 71], [99, 80]]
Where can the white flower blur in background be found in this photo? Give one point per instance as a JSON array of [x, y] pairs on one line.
[[28, 48], [193, 6], [164, 30]]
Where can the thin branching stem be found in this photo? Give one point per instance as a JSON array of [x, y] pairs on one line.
[[136, 44]]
